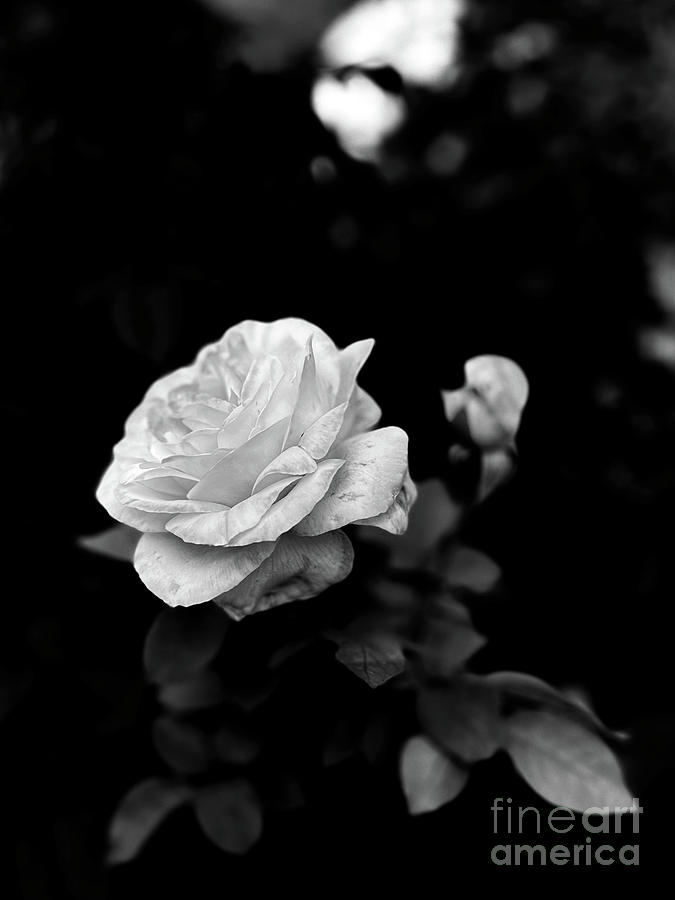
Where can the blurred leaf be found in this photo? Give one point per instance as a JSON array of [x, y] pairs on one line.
[[449, 639], [147, 320], [249, 696], [13, 686], [289, 794], [230, 815], [564, 762], [276, 31], [118, 542], [519, 685], [468, 568], [235, 744], [375, 740], [203, 690], [180, 642], [342, 743], [141, 811], [289, 650], [429, 779], [374, 661], [184, 747], [463, 718]]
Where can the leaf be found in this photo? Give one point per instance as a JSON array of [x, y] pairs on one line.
[[429, 779], [180, 642], [147, 319], [250, 695], [449, 638], [289, 794], [564, 762], [201, 691], [468, 568], [374, 661], [299, 568], [235, 744], [521, 686], [230, 815], [13, 686], [182, 746], [140, 812], [274, 32], [342, 743], [463, 718], [118, 542], [376, 738]]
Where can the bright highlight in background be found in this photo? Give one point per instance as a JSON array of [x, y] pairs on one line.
[[360, 113], [418, 38]]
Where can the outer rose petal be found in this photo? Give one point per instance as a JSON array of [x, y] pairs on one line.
[[299, 568], [139, 497], [395, 519], [352, 359], [136, 518], [362, 414], [184, 574], [284, 338], [370, 481]]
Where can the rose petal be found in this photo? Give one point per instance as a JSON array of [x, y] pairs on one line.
[[144, 497], [194, 466], [375, 467], [312, 399], [218, 528], [362, 414], [145, 472], [284, 338], [232, 479], [299, 568], [249, 512], [243, 421], [395, 519], [292, 461], [203, 441], [320, 436], [136, 518], [264, 373], [290, 510], [351, 361], [184, 574]]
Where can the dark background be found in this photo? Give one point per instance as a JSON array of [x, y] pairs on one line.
[[156, 189]]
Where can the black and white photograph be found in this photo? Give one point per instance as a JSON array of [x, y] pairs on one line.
[[339, 436]]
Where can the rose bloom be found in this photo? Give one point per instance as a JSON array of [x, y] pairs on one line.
[[241, 468]]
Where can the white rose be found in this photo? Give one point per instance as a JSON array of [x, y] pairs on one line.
[[241, 469]]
